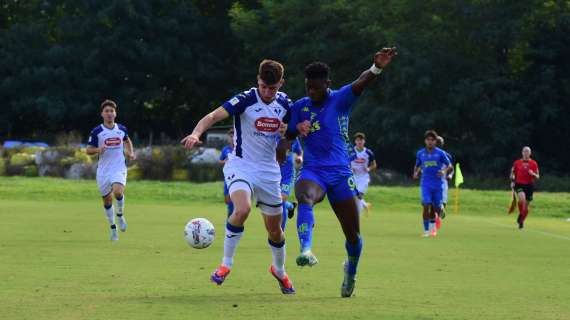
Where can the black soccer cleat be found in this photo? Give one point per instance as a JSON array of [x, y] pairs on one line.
[[291, 212]]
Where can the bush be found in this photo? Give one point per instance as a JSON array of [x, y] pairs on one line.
[[30, 171], [22, 159], [134, 173], [2, 167]]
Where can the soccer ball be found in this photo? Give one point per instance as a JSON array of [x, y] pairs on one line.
[[199, 233]]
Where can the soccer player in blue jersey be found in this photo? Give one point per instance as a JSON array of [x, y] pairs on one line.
[[293, 158], [321, 119], [433, 164], [228, 149]]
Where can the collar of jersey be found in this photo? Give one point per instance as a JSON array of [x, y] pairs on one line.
[[104, 127], [261, 100]]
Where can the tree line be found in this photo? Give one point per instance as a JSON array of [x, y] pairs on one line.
[[489, 76]]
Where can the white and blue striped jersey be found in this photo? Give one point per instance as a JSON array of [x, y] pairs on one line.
[[256, 127], [362, 160], [113, 159]]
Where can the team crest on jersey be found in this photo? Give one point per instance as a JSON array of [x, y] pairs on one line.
[[267, 124], [234, 101], [112, 142]]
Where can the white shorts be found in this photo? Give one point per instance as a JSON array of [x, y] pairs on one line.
[[105, 181], [265, 187], [362, 183]]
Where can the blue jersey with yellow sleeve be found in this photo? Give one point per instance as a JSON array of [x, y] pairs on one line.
[[431, 163], [328, 143]]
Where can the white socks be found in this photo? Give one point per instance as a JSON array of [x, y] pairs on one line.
[[110, 214], [120, 205], [278, 252], [231, 241]]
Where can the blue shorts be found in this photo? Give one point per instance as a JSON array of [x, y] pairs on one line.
[[337, 182], [432, 195], [226, 190]]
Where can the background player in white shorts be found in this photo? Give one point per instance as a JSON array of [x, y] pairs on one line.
[[361, 165], [110, 140], [252, 168]]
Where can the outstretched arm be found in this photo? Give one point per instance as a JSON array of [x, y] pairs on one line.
[[209, 120], [381, 59]]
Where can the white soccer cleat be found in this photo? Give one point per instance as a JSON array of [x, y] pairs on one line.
[[122, 223], [425, 234], [114, 235]]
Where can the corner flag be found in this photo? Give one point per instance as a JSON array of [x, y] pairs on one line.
[[458, 176]]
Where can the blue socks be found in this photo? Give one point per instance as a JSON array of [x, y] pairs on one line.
[[230, 208], [426, 225], [353, 251], [284, 216], [287, 205], [305, 223]]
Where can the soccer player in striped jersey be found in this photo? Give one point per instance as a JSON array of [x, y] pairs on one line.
[[252, 168], [321, 119], [229, 148], [110, 140], [440, 143], [363, 163]]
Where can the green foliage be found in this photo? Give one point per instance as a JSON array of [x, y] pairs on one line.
[[22, 159], [488, 76]]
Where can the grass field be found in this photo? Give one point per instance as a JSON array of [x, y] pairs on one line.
[[57, 261]]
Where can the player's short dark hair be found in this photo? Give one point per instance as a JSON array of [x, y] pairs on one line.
[[430, 133], [317, 70], [108, 103], [271, 71], [360, 135], [231, 131]]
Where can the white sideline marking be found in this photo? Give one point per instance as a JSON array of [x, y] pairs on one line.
[[549, 234]]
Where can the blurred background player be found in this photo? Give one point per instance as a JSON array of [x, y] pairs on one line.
[[433, 165], [440, 143], [293, 159], [110, 140], [322, 120], [222, 161], [252, 168], [523, 175], [364, 162]]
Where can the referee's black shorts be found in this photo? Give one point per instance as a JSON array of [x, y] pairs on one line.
[[528, 190]]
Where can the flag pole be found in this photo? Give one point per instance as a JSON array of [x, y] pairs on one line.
[[458, 182]]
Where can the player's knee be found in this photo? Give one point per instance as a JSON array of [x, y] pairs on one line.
[[241, 212], [118, 193], [275, 234], [304, 197]]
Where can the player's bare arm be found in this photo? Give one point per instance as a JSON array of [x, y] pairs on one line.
[[443, 172], [372, 166], [90, 150], [382, 59], [206, 123], [417, 171], [130, 149]]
